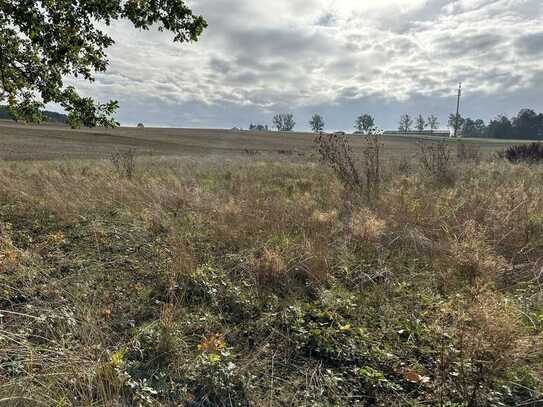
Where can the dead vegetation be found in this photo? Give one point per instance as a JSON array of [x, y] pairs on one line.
[[124, 162], [527, 153], [360, 175], [256, 282]]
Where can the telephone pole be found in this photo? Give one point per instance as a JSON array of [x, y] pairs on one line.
[[457, 117]]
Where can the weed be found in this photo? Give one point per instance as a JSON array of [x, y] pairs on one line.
[[257, 282], [124, 162], [359, 176], [436, 160], [530, 153], [468, 152]]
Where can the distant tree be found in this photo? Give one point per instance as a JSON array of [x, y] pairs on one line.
[[480, 128], [473, 128], [456, 122], [43, 41], [364, 122], [140, 126], [405, 123], [432, 123], [288, 122], [48, 115], [317, 123], [528, 125], [468, 129], [278, 122], [284, 122], [420, 123], [500, 128]]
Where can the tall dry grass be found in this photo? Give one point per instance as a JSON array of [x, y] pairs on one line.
[[257, 282]]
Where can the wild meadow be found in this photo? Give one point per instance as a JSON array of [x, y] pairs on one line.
[[326, 280]]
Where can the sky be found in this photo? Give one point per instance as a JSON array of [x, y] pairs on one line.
[[338, 58]]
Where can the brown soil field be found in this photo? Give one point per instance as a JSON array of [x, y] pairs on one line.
[[52, 142]]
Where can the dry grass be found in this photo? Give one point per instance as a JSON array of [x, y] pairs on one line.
[[262, 282]]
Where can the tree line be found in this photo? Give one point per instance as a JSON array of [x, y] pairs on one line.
[[6, 114], [286, 122], [420, 123], [527, 124]]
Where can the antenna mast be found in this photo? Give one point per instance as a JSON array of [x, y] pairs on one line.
[[457, 117]]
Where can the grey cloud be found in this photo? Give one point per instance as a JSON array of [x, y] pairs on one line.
[[220, 65], [530, 44], [458, 44], [273, 42], [245, 77], [303, 56]]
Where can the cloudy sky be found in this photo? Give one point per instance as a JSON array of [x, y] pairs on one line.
[[335, 57]]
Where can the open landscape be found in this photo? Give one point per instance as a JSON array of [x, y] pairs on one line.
[[54, 142], [234, 269], [296, 203]]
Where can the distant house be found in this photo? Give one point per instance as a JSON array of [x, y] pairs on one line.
[[140, 126]]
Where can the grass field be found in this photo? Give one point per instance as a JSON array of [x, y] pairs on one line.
[[202, 273], [48, 142]]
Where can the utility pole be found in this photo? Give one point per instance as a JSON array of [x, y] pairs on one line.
[[457, 117]]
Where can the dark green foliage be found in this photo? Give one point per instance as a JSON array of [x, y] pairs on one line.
[[528, 125], [43, 41], [500, 128], [473, 128]]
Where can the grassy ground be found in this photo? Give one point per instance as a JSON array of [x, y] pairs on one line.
[[262, 280], [50, 142]]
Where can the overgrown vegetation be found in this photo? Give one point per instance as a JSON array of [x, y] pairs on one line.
[[124, 162], [436, 160], [529, 153], [257, 282], [361, 175]]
